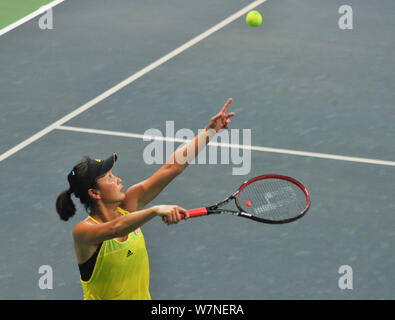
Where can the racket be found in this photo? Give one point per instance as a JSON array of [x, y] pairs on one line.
[[272, 198]]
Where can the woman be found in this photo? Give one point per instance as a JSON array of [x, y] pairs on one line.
[[109, 244]]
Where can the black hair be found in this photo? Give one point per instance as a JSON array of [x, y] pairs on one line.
[[79, 185]]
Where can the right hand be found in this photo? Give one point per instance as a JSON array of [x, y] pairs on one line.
[[171, 212], [221, 120]]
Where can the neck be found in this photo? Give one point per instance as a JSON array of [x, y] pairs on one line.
[[106, 212]]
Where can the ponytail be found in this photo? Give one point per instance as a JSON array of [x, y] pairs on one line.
[[79, 182], [65, 206]]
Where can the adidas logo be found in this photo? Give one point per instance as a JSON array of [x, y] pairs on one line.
[[129, 253]]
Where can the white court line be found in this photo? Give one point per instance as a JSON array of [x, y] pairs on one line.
[[227, 145], [31, 16], [129, 80]]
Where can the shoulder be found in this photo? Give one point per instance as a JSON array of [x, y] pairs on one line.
[[80, 228], [132, 198], [83, 250]]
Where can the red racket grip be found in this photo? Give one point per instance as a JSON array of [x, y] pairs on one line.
[[197, 212], [192, 213]]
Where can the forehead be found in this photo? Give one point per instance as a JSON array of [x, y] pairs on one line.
[[105, 176]]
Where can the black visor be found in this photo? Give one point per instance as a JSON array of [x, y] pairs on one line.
[[98, 168]]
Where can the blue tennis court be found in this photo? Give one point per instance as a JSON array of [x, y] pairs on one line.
[[318, 101]]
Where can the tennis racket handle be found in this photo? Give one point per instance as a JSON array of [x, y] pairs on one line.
[[197, 212], [192, 213]]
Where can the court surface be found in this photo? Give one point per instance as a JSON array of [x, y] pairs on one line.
[[298, 82]]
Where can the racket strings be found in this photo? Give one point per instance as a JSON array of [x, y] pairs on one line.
[[272, 199]]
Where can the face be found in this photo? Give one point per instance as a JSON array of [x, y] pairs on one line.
[[111, 188]]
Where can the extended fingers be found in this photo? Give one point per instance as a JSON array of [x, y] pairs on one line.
[[217, 116], [226, 105], [222, 114]]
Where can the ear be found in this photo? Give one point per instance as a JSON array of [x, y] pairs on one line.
[[94, 194]]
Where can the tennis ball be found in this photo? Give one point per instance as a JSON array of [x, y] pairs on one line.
[[254, 18]]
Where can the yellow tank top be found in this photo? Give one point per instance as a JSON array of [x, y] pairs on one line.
[[121, 271]]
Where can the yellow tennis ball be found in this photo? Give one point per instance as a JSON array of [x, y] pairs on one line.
[[254, 18]]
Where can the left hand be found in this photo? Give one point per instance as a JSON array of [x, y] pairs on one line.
[[221, 120]]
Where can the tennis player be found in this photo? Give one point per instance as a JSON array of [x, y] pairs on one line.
[[109, 244]]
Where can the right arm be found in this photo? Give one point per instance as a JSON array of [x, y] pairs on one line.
[[91, 234]]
